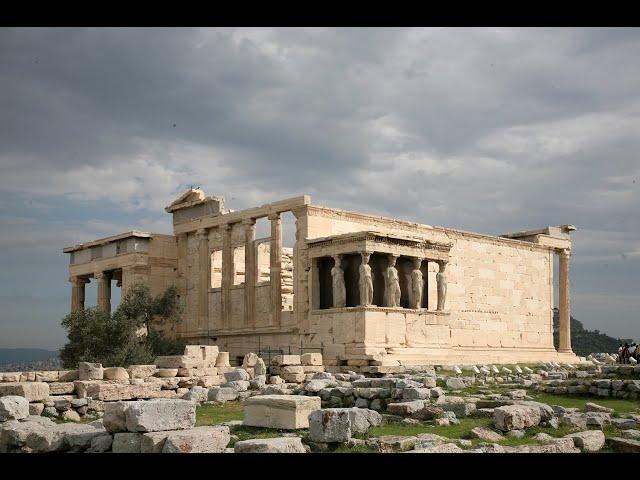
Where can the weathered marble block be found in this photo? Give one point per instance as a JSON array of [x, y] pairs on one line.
[[159, 415], [280, 411], [209, 439], [116, 373], [311, 359], [282, 360], [270, 445], [32, 391], [178, 361], [90, 371], [141, 371]]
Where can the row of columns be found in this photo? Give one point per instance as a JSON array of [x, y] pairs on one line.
[[391, 283], [103, 280], [251, 273]]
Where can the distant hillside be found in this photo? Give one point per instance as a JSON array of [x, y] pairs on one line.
[[583, 341], [21, 355]]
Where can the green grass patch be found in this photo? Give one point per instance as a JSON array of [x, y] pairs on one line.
[[355, 449], [620, 405], [212, 414], [452, 431]]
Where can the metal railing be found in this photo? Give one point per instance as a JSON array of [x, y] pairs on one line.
[[267, 353]]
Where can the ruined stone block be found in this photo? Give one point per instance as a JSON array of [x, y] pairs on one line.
[[32, 391], [280, 411]]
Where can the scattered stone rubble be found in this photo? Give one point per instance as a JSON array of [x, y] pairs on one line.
[[151, 408]]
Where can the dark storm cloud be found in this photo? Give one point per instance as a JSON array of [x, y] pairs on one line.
[[492, 130]]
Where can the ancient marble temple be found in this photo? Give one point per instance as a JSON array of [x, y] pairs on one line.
[[375, 293]]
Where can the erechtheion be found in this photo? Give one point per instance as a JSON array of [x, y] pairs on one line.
[[373, 292]]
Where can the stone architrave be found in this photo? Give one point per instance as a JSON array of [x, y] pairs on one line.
[[441, 280], [417, 284], [365, 281], [392, 284], [339, 290]]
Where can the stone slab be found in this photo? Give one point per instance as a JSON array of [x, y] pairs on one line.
[[287, 412]]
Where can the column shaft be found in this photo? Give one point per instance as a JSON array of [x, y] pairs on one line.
[[227, 275], [250, 273], [104, 291], [181, 240], [275, 269], [77, 294], [565, 308], [441, 281], [204, 270]]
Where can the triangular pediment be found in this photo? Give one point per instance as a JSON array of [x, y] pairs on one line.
[[191, 195]]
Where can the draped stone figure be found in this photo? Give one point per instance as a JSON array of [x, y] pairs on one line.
[[442, 285], [365, 281], [417, 284], [392, 284], [339, 290]]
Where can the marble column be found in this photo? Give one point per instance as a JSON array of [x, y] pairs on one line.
[[337, 282], [392, 284], [416, 286], [77, 293], [227, 275], [250, 272], [314, 284], [365, 280], [204, 273], [565, 308], [441, 280], [275, 268], [104, 291]]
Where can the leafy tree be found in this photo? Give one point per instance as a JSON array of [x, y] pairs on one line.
[[135, 333]]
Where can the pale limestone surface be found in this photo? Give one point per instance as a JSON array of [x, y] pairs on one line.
[[288, 412], [270, 445], [13, 407], [32, 391], [198, 440], [159, 415], [489, 299]]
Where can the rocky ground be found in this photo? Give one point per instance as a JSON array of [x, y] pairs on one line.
[[534, 408]]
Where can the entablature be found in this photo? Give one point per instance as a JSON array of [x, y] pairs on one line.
[[376, 242]]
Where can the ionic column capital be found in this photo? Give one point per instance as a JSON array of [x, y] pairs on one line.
[[274, 216], [99, 275], [202, 234], [249, 222], [564, 252]]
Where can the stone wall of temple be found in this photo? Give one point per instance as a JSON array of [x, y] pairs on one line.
[[493, 302], [498, 305]]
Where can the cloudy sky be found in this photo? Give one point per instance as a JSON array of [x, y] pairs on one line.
[[489, 130]]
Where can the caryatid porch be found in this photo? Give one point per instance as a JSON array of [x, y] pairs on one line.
[[370, 269]]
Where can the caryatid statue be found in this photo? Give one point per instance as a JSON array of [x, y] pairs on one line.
[[365, 281], [442, 285], [417, 284], [392, 284], [339, 291]]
